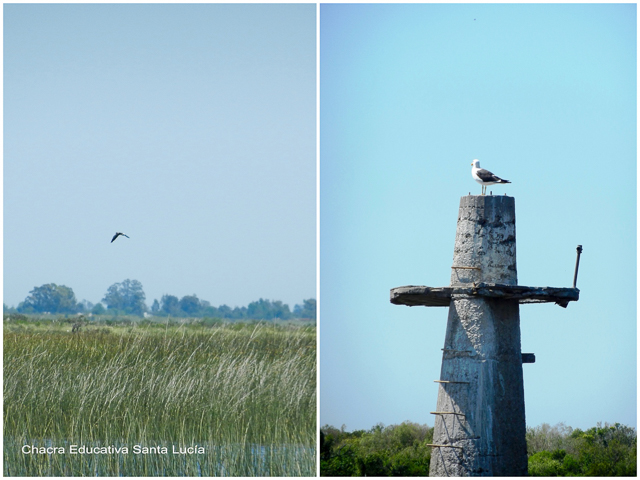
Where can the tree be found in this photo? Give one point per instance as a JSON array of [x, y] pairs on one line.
[[170, 305], [98, 309], [190, 305], [547, 464], [264, 309], [126, 297], [259, 309], [306, 310], [208, 310], [8, 309], [238, 313], [50, 298], [280, 310], [609, 450], [547, 438], [85, 306], [397, 450]]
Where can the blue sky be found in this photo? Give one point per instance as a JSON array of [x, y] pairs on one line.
[[191, 128], [543, 95]]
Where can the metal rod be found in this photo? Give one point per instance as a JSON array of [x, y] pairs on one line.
[[450, 446], [575, 275], [454, 350], [448, 413], [449, 381], [468, 268]]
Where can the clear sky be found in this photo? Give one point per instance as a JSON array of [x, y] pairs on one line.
[[191, 128], [543, 95]]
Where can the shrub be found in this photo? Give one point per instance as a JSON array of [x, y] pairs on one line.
[[542, 464]]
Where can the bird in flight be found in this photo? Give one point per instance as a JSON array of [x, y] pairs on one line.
[[484, 177], [117, 235]]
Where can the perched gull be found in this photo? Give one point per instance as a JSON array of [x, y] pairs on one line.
[[484, 177], [117, 235]]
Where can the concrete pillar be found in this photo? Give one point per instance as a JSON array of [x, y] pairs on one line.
[[480, 417]]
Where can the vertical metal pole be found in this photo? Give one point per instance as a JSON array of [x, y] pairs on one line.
[[575, 275]]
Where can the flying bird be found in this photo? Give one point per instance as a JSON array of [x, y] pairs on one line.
[[484, 177], [117, 235]]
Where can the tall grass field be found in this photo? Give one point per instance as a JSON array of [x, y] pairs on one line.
[[159, 400]]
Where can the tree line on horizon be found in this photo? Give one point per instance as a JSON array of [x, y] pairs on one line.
[[402, 450], [128, 298]]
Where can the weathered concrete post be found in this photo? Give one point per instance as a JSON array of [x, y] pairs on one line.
[[480, 417], [482, 349]]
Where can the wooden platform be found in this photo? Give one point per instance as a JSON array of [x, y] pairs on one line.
[[441, 296]]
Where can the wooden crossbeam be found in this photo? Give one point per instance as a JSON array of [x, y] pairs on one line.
[[441, 296]]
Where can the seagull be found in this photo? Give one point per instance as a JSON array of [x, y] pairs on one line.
[[484, 177], [117, 235]]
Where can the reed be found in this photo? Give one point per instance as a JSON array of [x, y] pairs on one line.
[[245, 394]]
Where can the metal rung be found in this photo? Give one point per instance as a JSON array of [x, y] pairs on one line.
[[448, 413], [454, 350], [450, 446], [468, 268], [450, 381]]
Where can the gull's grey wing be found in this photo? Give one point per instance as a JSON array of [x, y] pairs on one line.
[[487, 176]]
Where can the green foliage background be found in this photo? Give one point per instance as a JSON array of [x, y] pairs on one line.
[[401, 450], [396, 450], [601, 451], [128, 298]]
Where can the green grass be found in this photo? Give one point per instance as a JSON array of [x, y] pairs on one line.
[[246, 392]]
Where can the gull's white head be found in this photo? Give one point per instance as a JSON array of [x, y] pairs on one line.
[[476, 163]]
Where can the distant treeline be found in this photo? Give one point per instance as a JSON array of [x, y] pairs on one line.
[[401, 450], [128, 298]]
